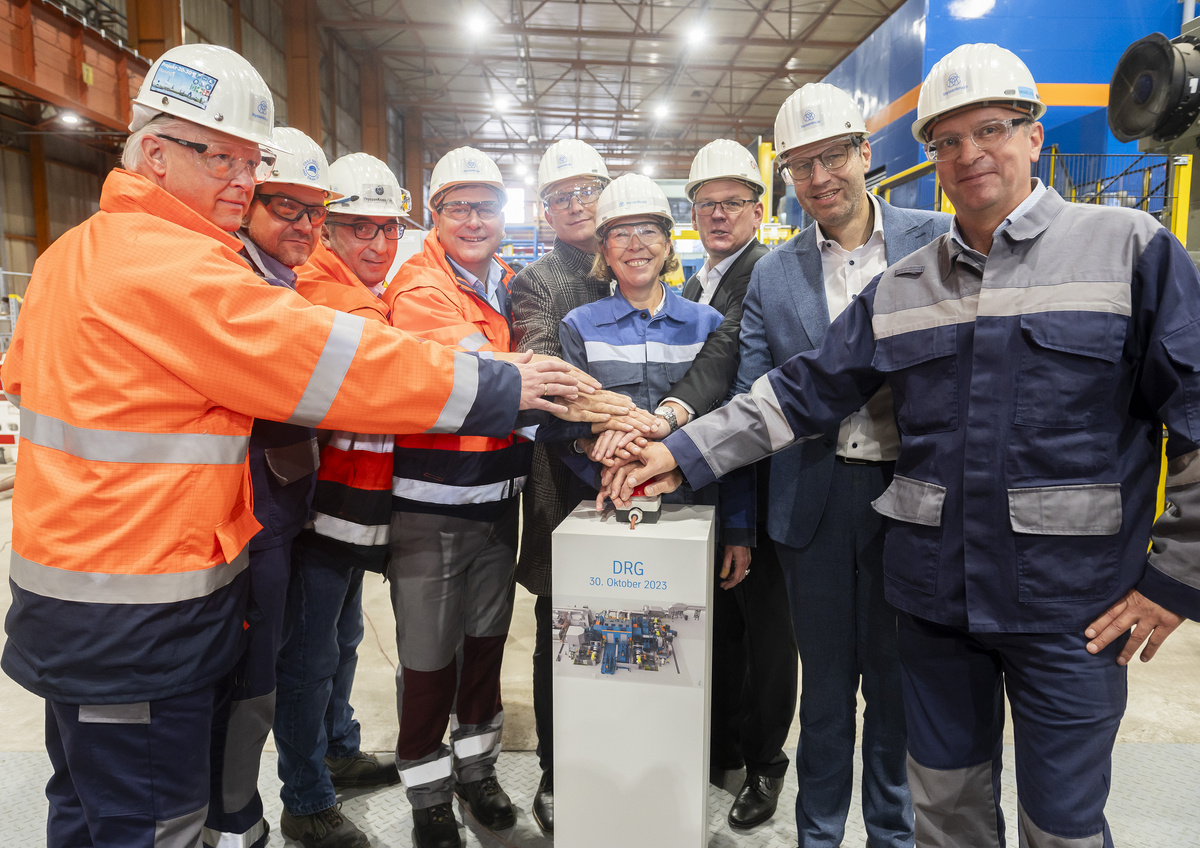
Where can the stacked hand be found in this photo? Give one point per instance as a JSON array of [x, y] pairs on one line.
[[653, 464]]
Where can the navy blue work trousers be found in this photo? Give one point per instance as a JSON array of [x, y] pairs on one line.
[[129, 775]]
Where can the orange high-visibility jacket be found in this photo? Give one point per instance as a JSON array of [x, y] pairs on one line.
[[144, 350], [352, 505], [464, 476]]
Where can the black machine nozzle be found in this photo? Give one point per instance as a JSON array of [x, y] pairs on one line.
[[1155, 89]]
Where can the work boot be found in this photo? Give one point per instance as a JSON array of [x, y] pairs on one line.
[[323, 829], [361, 769], [543, 802], [756, 802], [436, 827], [488, 803]]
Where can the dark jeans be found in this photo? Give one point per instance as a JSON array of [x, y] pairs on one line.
[[846, 633], [313, 717], [754, 668]]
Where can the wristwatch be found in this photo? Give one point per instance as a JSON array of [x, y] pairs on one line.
[[667, 414]]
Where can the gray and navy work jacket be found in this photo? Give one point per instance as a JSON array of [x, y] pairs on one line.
[[1031, 388], [283, 457]]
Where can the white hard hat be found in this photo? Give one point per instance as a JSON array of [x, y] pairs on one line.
[[632, 195], [465, 166], [211, 86], [305, 164], [975, 74], [816, 112], [569, 158], [367, 187], [724, 159]]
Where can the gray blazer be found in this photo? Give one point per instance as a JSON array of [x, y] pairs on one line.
[[786, 313]]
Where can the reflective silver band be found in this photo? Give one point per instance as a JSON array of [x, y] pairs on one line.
[[431, 772], [332, 527], [473, 342], [92, 588], [1112, 297], [447, 495], [15, 400], [330, 370], [462, 395], [127, 446]]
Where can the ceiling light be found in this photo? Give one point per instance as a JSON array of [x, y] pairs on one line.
[[648, 170], [529, 180], [653, 57], [695, 35], [501, 103], [662, 110], [69, 118], [521, 169], [476, 25]]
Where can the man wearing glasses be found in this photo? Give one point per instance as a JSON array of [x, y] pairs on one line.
[[571, 176], [1035, 352], [454, 521], [754, 654], [829, 540], [279, 232], [145, 350], [315, 731]]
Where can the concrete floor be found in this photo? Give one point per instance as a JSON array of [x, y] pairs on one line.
[[1164, 709]]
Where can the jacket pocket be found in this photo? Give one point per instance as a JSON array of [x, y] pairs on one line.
[[913, 544], [1067, 541], [922, 369], [1069, 368], [292, 462]]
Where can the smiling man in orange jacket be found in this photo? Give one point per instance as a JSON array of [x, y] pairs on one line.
[[144, 352]]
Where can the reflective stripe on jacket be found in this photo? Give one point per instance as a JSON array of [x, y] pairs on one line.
[[353, 502], [145, 349], [465, 476]]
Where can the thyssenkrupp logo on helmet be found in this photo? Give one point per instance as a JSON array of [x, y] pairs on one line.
[[471, 167], [954, 83], [809, 118], [563, 161]]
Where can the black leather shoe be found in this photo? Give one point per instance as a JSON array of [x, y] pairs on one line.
[[755, 802], [543, 803], [362, 770], [488, 803], [435, 827]]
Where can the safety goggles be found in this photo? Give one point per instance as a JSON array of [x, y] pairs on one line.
[[226, 166], [291, 210]]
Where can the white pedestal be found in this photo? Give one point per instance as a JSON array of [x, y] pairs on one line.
[[631, 678]]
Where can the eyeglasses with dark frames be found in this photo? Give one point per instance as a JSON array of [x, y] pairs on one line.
[[292, 210], [367, 230]]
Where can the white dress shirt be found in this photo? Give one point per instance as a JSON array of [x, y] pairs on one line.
[[710, 278], [870, 433]]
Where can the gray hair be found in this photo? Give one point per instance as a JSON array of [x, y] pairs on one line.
[[132, 158]]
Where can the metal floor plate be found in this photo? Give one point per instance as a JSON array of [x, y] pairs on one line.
[[1156, 790]]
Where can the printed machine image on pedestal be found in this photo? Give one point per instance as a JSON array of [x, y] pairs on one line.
[[631, 646]]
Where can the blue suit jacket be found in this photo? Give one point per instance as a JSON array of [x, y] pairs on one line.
[[785, 313]]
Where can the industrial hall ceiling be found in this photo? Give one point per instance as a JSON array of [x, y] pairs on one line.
[[647, 83]]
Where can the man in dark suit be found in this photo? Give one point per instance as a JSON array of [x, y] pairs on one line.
[[829, 539], [754, 653]]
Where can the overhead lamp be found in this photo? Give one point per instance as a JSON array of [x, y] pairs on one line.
[[476, 25], [696, 35], [528, 179], [662, 110], [69, 118], [648, 170], [501, 103], [521, 169]]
